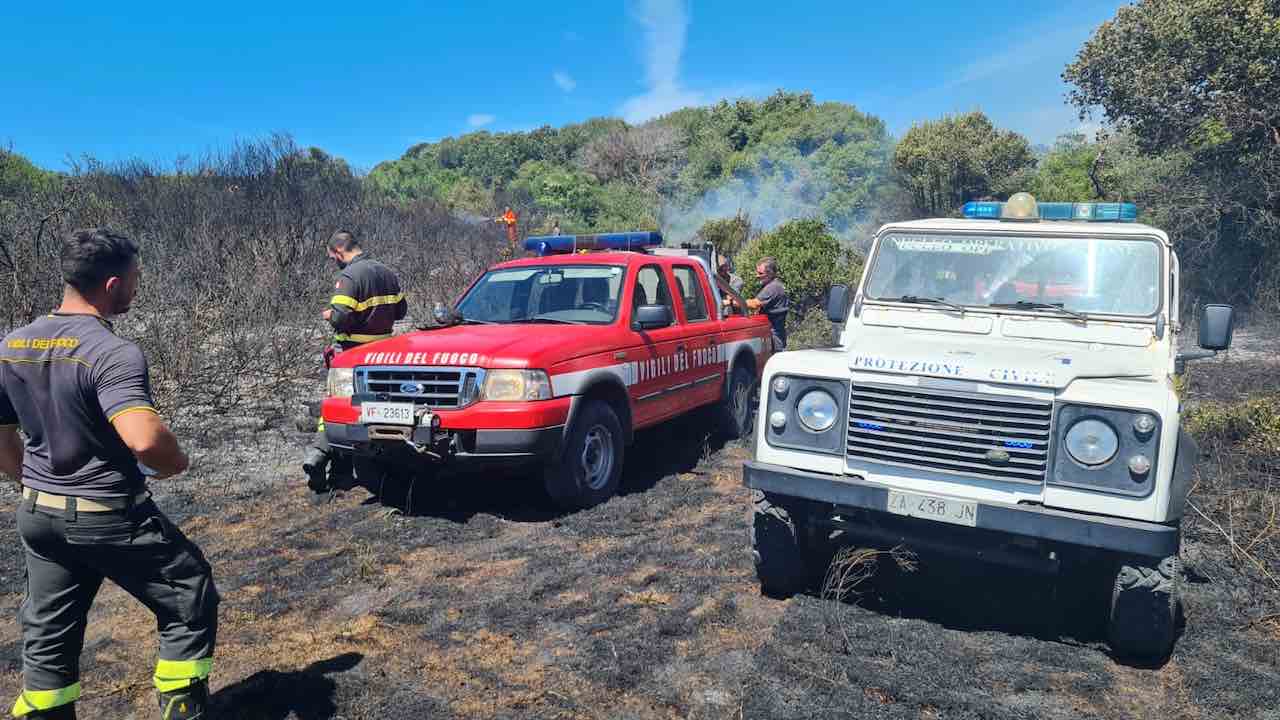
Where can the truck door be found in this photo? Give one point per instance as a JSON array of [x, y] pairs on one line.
[[652, 352], [699, 364]]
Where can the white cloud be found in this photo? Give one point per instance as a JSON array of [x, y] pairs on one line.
[[666, 24], [479, 120], [564, 80]]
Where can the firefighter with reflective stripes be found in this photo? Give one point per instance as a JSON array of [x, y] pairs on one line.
[[366, 303], [82, 397]]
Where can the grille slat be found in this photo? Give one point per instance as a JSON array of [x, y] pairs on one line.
[[438, 388], [951, 432]]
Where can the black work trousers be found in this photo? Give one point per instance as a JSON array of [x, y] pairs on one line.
[[70, 553]]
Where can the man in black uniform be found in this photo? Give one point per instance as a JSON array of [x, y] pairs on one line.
[[82, 397], [366, 303]]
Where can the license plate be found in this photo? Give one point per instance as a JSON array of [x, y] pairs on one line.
[[929, 507], [384, 413]]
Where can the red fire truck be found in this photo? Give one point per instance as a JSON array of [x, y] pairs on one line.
[[554, 361]]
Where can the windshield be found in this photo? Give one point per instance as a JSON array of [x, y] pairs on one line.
[[1089, 275], [568, 293]]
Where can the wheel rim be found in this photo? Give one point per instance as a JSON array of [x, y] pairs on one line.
[[742, 407], [596, 460]]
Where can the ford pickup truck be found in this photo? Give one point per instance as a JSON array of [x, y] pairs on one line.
[[554, 361]]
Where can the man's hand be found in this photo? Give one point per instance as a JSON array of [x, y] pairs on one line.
[[754, 304], [151, 441], [327, 314], [11, 452]]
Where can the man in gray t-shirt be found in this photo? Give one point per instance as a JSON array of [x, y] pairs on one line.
[[772, 300], [81, 396]]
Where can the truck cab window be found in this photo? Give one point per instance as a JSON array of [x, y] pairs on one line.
[[691, 296]]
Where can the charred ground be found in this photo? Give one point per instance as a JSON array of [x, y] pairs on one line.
[[474, 600]]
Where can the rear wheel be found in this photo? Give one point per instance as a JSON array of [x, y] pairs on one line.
[[737, 409], [589, 468]]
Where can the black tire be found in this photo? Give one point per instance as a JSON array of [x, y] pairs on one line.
[[1144, 608], [777, 546], [589, 468], [737, 408]]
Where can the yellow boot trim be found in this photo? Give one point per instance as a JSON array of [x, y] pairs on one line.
[[176, 674], [34, 700]]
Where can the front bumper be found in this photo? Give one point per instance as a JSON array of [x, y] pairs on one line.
[[1026, 521], [501, 447]]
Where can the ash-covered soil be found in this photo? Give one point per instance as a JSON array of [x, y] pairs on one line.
[[477, 601]]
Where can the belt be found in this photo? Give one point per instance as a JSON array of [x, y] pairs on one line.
[[59, 502]]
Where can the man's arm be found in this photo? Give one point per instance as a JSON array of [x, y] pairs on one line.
[[342, 305], [11, 452], [151, 441]]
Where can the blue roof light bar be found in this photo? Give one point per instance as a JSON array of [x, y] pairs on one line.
[[1079, 212], [565, 244]]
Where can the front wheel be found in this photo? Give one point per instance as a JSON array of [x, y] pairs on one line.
[[1144, 608], [589, 468]]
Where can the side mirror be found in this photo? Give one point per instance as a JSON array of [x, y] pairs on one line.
[[838, 304], [1216, 325], [652, 317]]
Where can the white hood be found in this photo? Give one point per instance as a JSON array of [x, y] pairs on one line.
[[988, 358]]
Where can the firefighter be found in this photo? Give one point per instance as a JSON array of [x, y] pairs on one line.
[[366, 303], [82, 397], [508, 218]]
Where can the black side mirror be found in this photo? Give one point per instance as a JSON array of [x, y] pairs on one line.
[[1216, 325], [652, 317], [838, 304]]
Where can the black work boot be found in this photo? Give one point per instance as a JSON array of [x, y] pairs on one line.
[[189, 703], [62, 712], [341, 472], [314, 466]]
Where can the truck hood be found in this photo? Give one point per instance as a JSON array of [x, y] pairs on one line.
[[489, 346], [1013, 361]]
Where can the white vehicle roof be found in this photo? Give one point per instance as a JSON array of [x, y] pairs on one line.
[[1042, 227]]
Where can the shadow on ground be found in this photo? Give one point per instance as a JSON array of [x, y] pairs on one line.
[[306, 694], [516, 495]]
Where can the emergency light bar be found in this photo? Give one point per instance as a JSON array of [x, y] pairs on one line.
[[564, 244], [1028, 209]]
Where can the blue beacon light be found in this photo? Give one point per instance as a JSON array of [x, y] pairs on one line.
[[1079, 212]]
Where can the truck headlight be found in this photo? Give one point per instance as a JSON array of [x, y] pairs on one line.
[[812, 401], [341, 382], [817, 410], [1092, 442], [1105, 449], [516, 385]]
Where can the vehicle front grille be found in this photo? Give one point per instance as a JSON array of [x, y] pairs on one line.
[[439, 388], [987, 436]]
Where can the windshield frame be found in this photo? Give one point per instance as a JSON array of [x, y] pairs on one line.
[[1161, 272], [481, 281]]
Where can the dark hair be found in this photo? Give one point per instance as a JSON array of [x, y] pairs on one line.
[[91, 255], [343, 241], [770, 264]]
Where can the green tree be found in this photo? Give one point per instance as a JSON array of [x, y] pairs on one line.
[[810, 260], [1063, 175], [728, 235], [945, 163]]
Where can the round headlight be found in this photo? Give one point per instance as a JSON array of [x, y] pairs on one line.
[[1092, 442], [781, 386], [817, 410]]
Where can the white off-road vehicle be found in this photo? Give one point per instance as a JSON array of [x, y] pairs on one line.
[[1003, 387]]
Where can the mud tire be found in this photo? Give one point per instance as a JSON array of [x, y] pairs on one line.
[[1144, 608], [736, 410], [570, 481], [777, 547]]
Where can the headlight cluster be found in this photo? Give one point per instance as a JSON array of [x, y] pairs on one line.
[[1107, 449], [341, 382], [516, 385], [804, 413]]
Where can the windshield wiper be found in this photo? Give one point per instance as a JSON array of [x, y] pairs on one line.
[[544, 318], [474, 321], [1029, 305], [917, 300]]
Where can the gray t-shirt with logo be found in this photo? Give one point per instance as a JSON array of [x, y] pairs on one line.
[[63, 379]]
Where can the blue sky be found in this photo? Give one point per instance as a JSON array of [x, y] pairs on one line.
[[159, 80]]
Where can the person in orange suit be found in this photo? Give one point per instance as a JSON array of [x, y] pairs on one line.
[[508, 218]]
